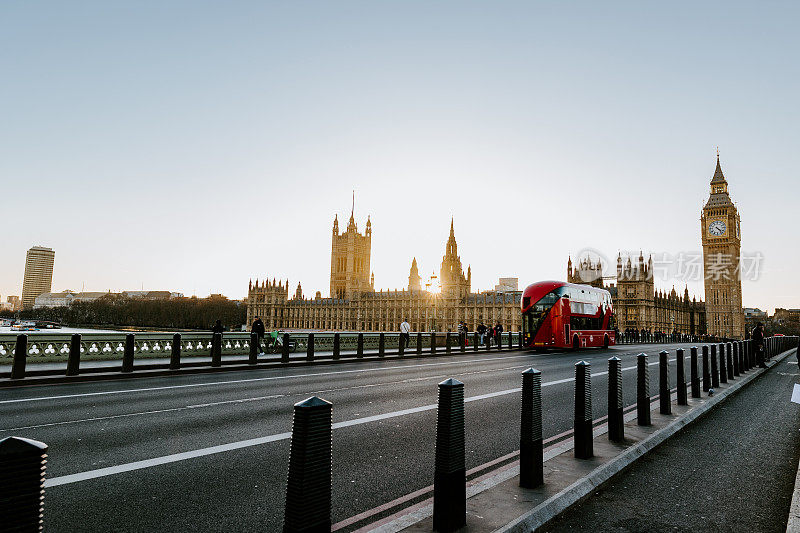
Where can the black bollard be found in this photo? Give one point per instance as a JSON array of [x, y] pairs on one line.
[[285, 349], [254, 349], [737, 357], [360, 346], [22, 473], [682, 399], [583, 411], [695, 380], [433, 343], [642, 390], [714, 369], [337, 345], [20, 357], [175, 353], [531, 448], [475, 341], [729, 357], [736, 369], [381, 345], [706, 372], [450, 476], [127, 354], [74, 360], [310, 347], [419, 343], [308, 487], [664, 400], [616, 423], [723, 367]]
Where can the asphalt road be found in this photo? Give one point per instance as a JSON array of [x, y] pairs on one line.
[[733, 470], [112, 424]]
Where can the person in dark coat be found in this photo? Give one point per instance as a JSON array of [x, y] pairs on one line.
[[498, 333], [758, 341], [218, 327], [259, 329], [481, 329]]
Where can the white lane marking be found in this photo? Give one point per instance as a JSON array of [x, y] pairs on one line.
[[244, 400], [252, 380], [140, 413], [157, 461]]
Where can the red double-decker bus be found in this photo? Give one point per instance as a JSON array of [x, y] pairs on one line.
[[565, 315]]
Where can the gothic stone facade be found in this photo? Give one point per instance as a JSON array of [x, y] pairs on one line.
[[637, 304], [355, 305]]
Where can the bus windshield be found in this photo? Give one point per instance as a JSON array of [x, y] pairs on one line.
[[539, 311]]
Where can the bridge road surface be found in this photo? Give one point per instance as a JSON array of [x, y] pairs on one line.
[[113, 425], [740, 475]]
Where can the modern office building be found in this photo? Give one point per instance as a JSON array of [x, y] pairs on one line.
[[38, 274]]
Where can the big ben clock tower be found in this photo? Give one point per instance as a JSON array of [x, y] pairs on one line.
[[722, 240]]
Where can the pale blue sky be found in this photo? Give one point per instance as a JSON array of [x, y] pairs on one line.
[[190, 146]]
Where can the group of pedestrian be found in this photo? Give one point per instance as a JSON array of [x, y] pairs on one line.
[[489, 334]]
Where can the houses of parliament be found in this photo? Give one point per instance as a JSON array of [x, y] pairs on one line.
[[355, 305]]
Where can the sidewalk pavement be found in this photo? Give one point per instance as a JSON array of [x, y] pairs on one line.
[[733, 470]]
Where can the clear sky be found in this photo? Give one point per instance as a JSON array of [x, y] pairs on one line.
[[191, 145]]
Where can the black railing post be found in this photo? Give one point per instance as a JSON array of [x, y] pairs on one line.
[[337, 345], [695, 380], [285, 349], [682, 399], [360, 346], [616, 423], [381, 344], [22, 473], [462, 342], [476, 339], [20, 357], [310, 347], [254, 348], [642, 390], [419, 343], [706, 372], [450, 476], [74, 361], [127, 354], [447, 347], [714, 367], [433, 343], [729, 357], [401, 344], [583, 411], [175, 352], [510, 341], [723, 367], [531, 447], [308, 487], [664, 400]]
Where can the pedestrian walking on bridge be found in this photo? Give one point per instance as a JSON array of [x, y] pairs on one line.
[[405, 331], [259, 329], [758, 340]]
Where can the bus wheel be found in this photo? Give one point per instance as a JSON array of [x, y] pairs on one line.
[[576, 342], [605, 342]]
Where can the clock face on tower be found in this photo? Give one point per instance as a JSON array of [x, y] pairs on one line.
[[717, 228]]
